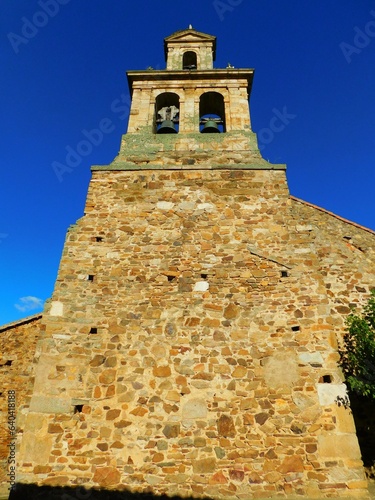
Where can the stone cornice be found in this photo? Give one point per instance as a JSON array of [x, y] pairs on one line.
[[193, 74]]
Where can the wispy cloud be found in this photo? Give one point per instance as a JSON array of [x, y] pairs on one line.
[[29, 304]]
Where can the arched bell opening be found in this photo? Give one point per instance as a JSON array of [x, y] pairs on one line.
[[167, 109], [211, 113], [189, 60]]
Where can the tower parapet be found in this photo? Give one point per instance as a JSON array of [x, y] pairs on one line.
[[190, 115]]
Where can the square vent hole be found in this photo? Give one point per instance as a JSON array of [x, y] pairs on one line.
[[325, 379]]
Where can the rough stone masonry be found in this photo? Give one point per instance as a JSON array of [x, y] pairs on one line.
[[190, 345]]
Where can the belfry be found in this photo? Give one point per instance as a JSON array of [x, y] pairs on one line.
[[190, 344]]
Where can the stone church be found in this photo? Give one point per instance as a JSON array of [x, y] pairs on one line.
[[190, 346]]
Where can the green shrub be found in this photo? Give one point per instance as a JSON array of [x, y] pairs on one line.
[[357, 353]]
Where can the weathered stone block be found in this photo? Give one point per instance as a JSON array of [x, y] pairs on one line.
[[204, 466], [55, 428], [107, 377], [293, 463], [344, 446], [218, 478], [225, 426], [97, 360], [36, 449], [171, 430], [237, 475], [195, 408], [281, 370], [231, 311], [328, 393], [107, 476], [45, 404], [161, 371], [112, 414]]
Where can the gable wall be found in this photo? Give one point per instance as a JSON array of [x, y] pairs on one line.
[[204, 374]]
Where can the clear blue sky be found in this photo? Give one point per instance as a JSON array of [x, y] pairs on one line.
[[62, 70]]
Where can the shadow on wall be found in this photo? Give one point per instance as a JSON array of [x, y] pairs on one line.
[[363, 412], [34, 492]]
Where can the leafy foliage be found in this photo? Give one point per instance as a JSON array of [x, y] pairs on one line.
[[357, 355]]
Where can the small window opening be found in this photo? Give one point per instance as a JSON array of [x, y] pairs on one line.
[[99, 238], [189, 60], [326, 379], [93, 330], [296, 328], [90, 277], [78, 408], [171, 278], [284, 274], [8, 363], [204, 276]]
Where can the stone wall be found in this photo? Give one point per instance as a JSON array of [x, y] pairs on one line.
[[17, 347], [191, 341]]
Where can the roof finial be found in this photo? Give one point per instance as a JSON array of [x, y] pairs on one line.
[[190, 27]]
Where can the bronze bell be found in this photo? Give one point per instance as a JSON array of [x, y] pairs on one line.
[[167, 127], [210, 127]]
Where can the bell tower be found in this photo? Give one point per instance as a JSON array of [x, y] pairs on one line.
[[189, 344], [190, 49], [190, 96]]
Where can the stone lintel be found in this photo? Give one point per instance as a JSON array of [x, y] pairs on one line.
[[79, 401], [48, 404]]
